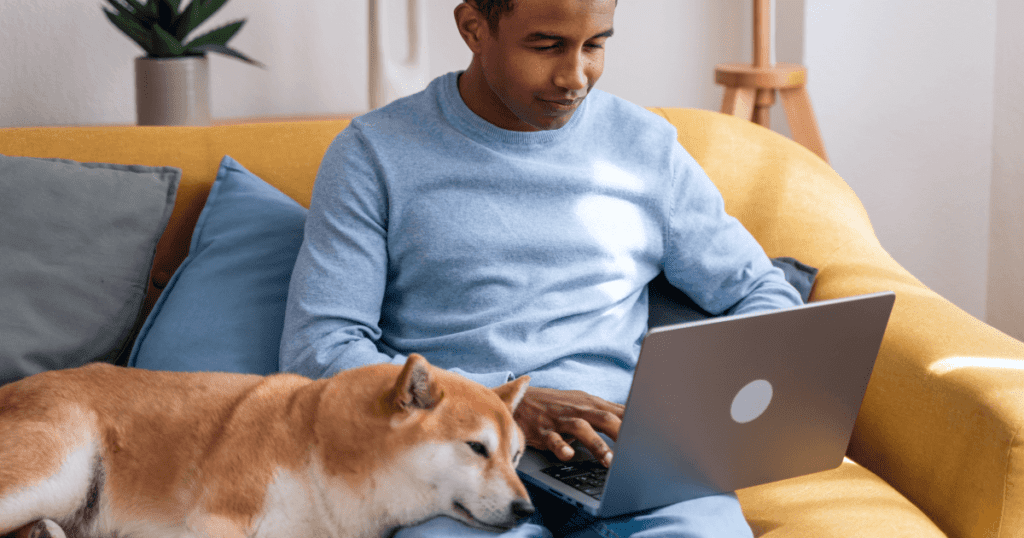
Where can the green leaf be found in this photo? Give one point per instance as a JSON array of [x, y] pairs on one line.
[[182, 24], [218, 36], [123, 10], [213, 47], [134, 10], [131, 28], [209, 7], [194, 15], [166, 45], [160, 27], [166, 11]]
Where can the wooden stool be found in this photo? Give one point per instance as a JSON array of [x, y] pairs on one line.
[[750, 89]]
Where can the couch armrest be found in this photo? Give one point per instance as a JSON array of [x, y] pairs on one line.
[[943, 415]]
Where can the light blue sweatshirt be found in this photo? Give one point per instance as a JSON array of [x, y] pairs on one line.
[[499, 253]]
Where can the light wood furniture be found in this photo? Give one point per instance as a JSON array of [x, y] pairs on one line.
[[750, 89]]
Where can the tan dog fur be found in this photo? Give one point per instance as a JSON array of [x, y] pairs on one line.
[[108, 450]]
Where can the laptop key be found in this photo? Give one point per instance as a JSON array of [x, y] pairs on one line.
[[585, 476], [573, 468], [561, 472], [594, 492]]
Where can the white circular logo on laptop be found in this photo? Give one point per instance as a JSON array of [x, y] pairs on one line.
[[751, 401]]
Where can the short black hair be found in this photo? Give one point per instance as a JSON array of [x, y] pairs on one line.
[[493, 10]]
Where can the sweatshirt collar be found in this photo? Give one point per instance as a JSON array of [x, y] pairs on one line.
[[467, 121]]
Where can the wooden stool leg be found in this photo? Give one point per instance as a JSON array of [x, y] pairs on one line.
[[763, 107], [802, 123], [739, 102]]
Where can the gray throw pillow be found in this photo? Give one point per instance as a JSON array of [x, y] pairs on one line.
[[77, 241]]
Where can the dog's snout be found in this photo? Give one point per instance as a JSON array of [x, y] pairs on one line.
[[522, 508]]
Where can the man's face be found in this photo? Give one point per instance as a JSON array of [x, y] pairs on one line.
[[543, 60]]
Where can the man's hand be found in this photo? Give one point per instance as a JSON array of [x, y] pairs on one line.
[[551, 419]]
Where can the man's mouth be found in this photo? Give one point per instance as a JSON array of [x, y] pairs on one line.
[[563, 104]]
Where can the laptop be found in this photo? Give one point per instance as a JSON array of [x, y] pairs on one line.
[[727, 403]]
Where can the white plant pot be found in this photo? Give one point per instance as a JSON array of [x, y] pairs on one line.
[[172, 91]]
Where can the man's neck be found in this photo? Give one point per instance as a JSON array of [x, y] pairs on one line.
[[482, 101]]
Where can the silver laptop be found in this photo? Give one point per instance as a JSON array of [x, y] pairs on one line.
[[727, 403]]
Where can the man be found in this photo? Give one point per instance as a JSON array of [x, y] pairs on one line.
[[506, 221]]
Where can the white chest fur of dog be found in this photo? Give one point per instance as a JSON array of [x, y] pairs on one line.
[[102, 451]]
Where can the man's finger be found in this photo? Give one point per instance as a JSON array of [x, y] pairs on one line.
[[605, 422], [618, 410], [589, 401], [557, 444], [585, 433]]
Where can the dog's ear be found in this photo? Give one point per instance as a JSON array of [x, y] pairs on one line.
[[512, 392], [415, 388]]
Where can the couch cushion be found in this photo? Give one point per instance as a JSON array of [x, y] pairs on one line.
[[847, 501], [223, 309], [76, 247]]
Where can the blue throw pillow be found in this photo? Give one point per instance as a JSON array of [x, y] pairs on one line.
[[223, 310]]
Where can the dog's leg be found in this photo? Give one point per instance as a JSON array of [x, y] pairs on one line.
[[35, 483], [43, 528], [49, 452]]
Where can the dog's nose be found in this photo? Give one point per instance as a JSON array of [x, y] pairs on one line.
[[522, 508]]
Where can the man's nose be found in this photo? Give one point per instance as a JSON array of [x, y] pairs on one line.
[[572, 75]]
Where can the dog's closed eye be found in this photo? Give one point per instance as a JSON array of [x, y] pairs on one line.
[[479, 448]]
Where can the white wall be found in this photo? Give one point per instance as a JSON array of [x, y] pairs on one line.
[[1006, 265], [904, 96], [65, 63], [917, 100]]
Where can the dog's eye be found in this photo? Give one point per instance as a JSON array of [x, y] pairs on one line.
[[478, 448]]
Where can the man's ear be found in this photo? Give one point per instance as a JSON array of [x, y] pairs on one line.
[[512, 392], [415, 388], [471, 25]]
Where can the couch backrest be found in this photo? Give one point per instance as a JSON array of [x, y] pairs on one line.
[[792, 202], [285, 155]]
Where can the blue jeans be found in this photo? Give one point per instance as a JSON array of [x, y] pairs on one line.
[[715, 516]]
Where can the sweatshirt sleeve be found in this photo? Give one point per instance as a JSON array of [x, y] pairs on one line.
[[710, 256], [335, 298], [337, 286]]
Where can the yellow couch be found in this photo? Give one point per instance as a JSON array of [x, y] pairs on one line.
[[938, 448]]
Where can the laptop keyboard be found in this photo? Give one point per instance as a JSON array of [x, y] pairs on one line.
[[586, 476]]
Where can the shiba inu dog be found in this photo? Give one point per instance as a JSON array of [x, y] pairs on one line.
[[103, 451]]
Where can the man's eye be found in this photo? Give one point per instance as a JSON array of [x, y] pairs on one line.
[[478, 448]]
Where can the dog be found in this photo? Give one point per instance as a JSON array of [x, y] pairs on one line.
[[106, 451]]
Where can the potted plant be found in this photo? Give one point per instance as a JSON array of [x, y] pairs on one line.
[[172, 79]]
